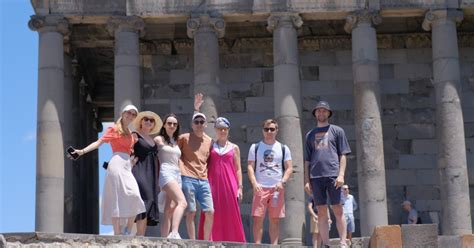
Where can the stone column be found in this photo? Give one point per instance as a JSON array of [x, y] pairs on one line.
[[205, 30], [452, 164], [287, 100], [127, 30], [367, 108], [49, 144]]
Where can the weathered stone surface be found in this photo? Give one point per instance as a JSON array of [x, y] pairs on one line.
[[401, 177], [392, 56], [259, 104], [343, 72], [449, 241], [412, 71], [394, 86], [416, 131], [428, 205], [424, 146], [386, 237], [408, 161], [422, 235]]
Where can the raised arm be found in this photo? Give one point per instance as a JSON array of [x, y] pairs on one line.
[[198, 100]]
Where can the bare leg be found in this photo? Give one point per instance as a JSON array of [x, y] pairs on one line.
[[190, 225], [130, 222], [174, 192], [257, 229], [116, 225], [323, 223], [349, 235], [165, 224], [340, 222], [316, 240], [209, 219], [274, 230], [141, 227]]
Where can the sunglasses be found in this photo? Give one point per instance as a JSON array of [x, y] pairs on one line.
[[151, 120], [269, 129], [132, 113], [199, 122], [172, 124], [345, 189]]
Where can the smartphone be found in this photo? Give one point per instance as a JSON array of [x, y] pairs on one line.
[[70, 151]]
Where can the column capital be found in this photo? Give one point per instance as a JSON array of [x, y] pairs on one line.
[[285, 19], [369, 16], [204, 20], [432, 16], [126, 23], [49, 23]]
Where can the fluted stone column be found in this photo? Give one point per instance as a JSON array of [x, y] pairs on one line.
[[367, 108], [205, 30], [452, 164], [49, 144], [127, 30], [287, 100]]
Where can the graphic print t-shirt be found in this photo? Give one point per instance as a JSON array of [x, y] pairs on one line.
[[268, 169], [322, 149]]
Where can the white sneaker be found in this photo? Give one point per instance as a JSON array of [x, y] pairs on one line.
[[174, 235]]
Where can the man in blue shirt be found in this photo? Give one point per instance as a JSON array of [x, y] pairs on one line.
[[349, 205], [325, 153]]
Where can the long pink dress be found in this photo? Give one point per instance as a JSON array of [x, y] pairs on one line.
[[224, 186]]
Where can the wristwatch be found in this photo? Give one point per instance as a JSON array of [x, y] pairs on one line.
[[283, 182]]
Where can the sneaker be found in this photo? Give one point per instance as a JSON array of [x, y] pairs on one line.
[[125, 231], [343, 245], [174, 235]]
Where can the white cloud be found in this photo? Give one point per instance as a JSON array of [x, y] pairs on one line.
[[29, 136]]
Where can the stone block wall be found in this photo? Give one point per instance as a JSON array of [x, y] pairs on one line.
[[408, 110]]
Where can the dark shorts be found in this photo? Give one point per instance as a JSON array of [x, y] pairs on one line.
[[323, 186]]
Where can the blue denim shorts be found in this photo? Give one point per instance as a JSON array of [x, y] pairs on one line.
[[350, 223], [200, 190], [324, 186]]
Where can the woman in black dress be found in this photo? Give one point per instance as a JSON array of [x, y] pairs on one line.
[[146, 170]]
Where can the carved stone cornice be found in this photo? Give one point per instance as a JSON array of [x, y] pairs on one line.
[[203, 22], [284, 19], [49, 23], [433, 16], [369, 16], [126, 23]]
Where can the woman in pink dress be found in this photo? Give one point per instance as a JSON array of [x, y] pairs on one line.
[[225, 179]]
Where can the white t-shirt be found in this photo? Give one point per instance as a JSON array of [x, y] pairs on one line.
[[268, 169]]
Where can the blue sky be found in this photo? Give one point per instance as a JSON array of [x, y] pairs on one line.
[[18, 96]]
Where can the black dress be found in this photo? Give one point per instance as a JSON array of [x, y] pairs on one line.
[[146, 173]]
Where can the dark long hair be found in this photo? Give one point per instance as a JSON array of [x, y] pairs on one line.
[[163, 130]]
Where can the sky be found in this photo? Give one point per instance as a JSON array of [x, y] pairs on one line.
[[18, 108]]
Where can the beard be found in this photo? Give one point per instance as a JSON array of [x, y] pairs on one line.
[[322, 118]]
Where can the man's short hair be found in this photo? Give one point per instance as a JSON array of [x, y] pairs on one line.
[[270, 121]]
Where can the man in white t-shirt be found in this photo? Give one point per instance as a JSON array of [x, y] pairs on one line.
[[269, 167]]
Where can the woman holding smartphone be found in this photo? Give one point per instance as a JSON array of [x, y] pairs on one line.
[[170, 177], [145, 171], [121, 201]]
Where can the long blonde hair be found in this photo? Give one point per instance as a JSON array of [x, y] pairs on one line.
[[120, 129]]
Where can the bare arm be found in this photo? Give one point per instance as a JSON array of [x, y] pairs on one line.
[[342, 170], [307, 184], [198, 100], [311, 211], [252, 178], [288, 170], [238, 171], [94, 145]]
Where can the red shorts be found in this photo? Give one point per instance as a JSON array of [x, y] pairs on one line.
[[263, 200]]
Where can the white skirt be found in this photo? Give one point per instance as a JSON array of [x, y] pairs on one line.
[[121, 196]]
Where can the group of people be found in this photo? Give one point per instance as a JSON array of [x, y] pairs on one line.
[[184, 170]]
